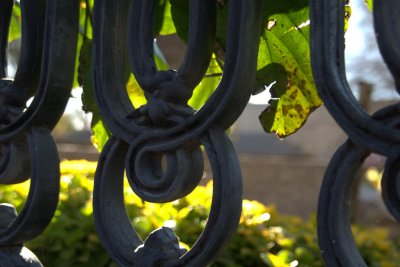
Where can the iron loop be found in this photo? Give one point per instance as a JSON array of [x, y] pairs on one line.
[[387, 26], [181, 174], [121, 240], [201, 39], [334, 227], [327, 58], [49, 31], [390, 184], [43, 194]]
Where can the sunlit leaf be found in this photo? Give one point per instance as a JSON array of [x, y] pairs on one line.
[[100, 133], [180, 16], [370, 4], [207, 86], [135, 93], [164, 24], [86, 18], [15, 25], [284, 58], [347, 15]]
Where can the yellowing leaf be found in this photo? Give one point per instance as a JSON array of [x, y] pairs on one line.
[[207, 86], [135, 92], [284, 59], [370, 4], [287, 114]]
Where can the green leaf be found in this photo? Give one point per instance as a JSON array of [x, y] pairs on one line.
[[284, 58], [15, 25], [180, 17], [100, 133], [370, 4], [163, 22], [135, 92], [207, 86], [84, 63], [85, 78], [136, 95], [85, 18], [347, 15], [85, 33]]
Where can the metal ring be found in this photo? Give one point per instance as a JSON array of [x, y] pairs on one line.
[[43, 194]]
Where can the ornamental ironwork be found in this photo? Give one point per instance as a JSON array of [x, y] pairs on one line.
[[159, 145], [378, 133], [49, 32], [166, 127]]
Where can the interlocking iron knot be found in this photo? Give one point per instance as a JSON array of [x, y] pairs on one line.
[[166, 127]]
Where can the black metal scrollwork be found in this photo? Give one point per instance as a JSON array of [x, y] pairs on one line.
[[167, 127], [379, 133], [45, 68]]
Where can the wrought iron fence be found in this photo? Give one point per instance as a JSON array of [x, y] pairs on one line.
[[49, 32], [378, 133], [167, 128]]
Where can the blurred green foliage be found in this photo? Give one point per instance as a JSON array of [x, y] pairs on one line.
[[264, 237]]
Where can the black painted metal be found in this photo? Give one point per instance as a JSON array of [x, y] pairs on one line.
[[167, 126], [49, 32], [378, 133]]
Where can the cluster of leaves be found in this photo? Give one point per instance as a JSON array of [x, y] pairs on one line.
[[264, 237], [283, 60], [164, 25]]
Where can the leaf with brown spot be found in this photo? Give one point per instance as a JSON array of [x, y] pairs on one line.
[[284, 57], [286, 114]]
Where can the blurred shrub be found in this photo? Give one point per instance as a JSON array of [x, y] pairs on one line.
[[264, 237]]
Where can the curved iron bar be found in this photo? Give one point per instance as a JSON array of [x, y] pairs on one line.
[[327, 54], [387, 24], [389, 183], [378, 133], [175, 87], [49, 31], [167, 126], [334, 231]]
